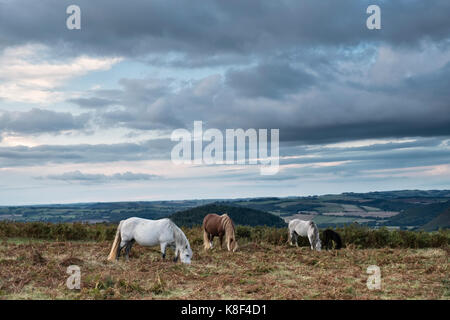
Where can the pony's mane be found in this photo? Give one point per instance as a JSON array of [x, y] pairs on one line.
[[228, 226], [179, 235], [227, 223]]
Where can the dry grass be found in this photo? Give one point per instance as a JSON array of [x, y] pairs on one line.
[[37, 270]]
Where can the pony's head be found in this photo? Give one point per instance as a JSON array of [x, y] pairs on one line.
[[318, 245], [183, 249], [186, 254], [233, 244]]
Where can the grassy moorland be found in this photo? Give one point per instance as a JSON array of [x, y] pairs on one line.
[[416, 266]]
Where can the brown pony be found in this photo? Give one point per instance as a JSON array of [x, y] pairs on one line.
[[215, 225]]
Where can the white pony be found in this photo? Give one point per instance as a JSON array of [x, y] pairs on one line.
[[304, 228], [150, 233]]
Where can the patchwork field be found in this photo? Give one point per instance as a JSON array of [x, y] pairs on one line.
[[37, 270]]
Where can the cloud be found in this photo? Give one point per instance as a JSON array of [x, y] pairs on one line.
[[273, 80], [41, 121], [29, 73], [84, 153], [234, 27], [305, 108], [79, 177], [308, 68], [318, 75], [92, 103], [355, 160]]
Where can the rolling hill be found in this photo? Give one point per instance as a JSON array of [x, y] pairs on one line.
[[240, 216], [442, 221], [420, 215], [406, 209]]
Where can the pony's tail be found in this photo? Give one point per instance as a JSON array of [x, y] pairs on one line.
[[338, 241], [113, 254], [289, 240], [205, 239]]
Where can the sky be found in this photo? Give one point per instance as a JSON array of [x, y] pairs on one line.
[[87, 115]]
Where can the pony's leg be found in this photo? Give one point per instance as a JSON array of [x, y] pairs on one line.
[[163, 249], [324, 242], [205, 240], [221, 242], [128, 248], [295, 238], [119, 249], [118, 252], [177, 253], [311, 240], [211, 241]]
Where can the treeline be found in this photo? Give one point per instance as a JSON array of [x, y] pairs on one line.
[[355, 236]]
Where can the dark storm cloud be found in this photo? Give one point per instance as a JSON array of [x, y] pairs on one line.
[[217, 28], [259, 97], [41, 121], [373, 159], [427, 126], [144, 104], [84, 153], [428, 86], [292, 57], [431, 85], [273, 80], [79, 177]]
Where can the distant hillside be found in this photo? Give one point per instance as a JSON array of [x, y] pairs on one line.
[[242, 216], [412, 208], [441, 221], [397, 194], [419, 215], [97, 212]]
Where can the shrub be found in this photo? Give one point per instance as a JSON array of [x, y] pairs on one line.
[[359, 236]]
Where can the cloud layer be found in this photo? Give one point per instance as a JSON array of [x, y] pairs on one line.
[[79, 177], [356, 108]]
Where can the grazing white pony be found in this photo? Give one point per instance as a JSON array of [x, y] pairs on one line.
[[150, 233], [304, 228]]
